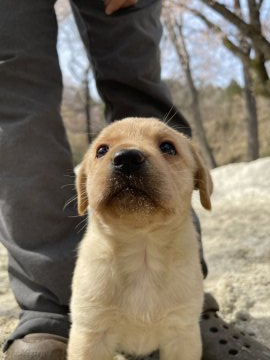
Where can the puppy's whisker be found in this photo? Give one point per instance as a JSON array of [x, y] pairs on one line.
[[72, 175], [166, 115], [168, 121], [83, 228], [81, 222], [84, 223], [71, 200], [66, 185]]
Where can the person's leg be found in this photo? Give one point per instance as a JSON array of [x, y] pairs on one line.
[[124, 51], [38, 232]]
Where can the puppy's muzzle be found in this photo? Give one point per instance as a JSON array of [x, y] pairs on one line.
[[128, 161]]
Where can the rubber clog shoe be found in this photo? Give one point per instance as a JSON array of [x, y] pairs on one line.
[[38, 347], [222, 341]]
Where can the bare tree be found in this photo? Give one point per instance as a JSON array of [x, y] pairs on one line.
[[252, 30], [174, 25], [242, 47]]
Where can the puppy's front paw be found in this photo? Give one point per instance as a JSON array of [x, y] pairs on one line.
[[90, 345]]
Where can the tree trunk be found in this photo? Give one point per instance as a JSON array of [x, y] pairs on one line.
[[259, 72], [87, 105], [252, 120], [197, 117], [183, 55], [250, 99]]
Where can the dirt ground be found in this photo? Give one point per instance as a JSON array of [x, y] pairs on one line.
[[8, 307], [237, 249]]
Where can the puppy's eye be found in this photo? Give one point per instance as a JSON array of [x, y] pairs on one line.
[[102, 150], [167, 148]]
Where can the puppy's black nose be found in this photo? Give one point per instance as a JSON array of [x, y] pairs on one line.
[[128, 160]]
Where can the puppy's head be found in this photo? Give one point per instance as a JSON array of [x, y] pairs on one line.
[[139, 171]]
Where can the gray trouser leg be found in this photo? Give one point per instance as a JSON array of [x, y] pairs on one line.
[[35, 159], [124, 51]]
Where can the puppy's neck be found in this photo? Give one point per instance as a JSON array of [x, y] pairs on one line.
[[121, 235]]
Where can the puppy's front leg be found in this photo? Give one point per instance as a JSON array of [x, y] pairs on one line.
[[182, 344], [87, 345]]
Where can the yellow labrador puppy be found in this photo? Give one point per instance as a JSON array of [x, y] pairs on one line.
[[137, 285]]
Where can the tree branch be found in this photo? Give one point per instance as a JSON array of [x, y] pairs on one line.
[[259, 5], [236, 50], [248, 30]]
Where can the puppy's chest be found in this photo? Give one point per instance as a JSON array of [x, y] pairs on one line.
[[143, 282], [140, 291], [145, 304]]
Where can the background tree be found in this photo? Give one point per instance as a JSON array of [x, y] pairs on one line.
[[174, 24], [251, 28], [241, 46]]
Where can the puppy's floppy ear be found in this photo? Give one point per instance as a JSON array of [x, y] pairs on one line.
[[81, 189], [202, 181]]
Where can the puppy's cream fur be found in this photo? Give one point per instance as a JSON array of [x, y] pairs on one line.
[[137, 284]]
